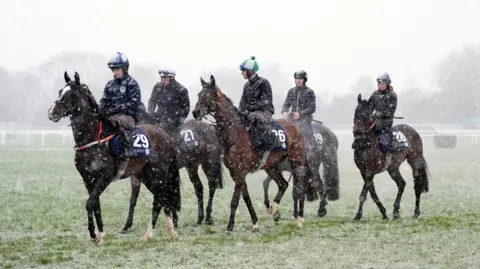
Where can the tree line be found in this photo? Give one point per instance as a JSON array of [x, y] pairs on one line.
[[27, 95]]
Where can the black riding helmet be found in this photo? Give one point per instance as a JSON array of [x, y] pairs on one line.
[[301, 74]]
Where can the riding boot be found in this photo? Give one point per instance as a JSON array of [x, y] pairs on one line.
[[126, 141]]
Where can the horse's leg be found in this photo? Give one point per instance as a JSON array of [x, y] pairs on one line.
[[397, 177], [156, 208], [251, 210], [266, 200], [239, 179], [367, 182], [93, 205], [197, 185], [91, 222], [170, 225], [135, 184], [299, 191], [322, 210], [214, 178], [375, 198], [282, 184]]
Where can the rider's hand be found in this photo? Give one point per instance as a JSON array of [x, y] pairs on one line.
[[285, 115], [296, 115]]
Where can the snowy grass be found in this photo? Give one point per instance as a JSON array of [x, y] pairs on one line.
[[44, 223]]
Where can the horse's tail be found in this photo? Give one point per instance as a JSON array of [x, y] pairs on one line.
[[174, 179], [423, 175], [332, 176]]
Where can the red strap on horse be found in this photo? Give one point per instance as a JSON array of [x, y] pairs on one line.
[[100, 130]]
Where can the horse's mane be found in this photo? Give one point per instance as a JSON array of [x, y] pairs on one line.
[[90, 98]]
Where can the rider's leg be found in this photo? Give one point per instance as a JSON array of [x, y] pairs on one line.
[[123, 124]]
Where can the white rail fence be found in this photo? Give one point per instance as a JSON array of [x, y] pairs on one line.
[[63, 138]]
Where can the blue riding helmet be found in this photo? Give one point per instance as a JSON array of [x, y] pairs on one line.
[[384, 78], [118, 60]]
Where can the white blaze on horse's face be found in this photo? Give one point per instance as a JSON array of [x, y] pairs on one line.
[[52, 111]]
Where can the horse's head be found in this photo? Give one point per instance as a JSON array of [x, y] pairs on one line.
[[207, 98], [73, 99], [362, 120]]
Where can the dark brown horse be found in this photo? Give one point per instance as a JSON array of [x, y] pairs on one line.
[[241, 159], [326, 155], [98, 164], [370, 160], [196, 144]]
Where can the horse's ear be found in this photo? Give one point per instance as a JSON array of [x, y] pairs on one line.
[[67, 78], [202, 82], [77, 78], [212, 80], [359, 98]]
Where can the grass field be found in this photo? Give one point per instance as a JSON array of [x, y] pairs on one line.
[[44, 223]]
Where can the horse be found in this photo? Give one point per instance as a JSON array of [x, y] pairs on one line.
[[196, 144], [370, 160], [240, 158], [99, 161], [325, 154]]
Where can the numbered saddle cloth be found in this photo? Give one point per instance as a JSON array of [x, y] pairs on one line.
[[140, 140], [186, 141], [399, 140], [280, 142]]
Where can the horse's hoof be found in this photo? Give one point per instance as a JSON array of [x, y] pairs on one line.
[[357, 217], [99, 239], [255, 227], [174, 236], [416, 216], [385, 218], [268, 210], [209, 221], [396, 215], [125, 231], [300, 222], [147, 236], [276, 216], [322, 213]]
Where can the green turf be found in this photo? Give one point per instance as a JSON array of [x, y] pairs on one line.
[[44, 221]]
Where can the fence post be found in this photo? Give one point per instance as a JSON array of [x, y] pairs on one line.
[[3, 139], [43, 139]]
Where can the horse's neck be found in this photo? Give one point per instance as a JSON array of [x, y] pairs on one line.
[[228, 124], [85, 128]]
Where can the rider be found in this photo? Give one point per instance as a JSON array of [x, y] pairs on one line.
[[171, 99], [384, 101], [302, 102], [256, 104], [120, 101]]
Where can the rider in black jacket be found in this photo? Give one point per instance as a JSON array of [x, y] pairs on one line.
[[301, 102], [169, 103]]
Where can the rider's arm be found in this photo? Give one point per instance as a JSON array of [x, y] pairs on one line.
[[152, 102], [265, 99], [392, 105], [310, 104], [288, 102], [134, 97], [103, 100], [184, 104]]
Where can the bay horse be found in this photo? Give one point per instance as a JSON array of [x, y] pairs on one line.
[[370, 160], [196, 144], [98, 162], [326, 155], [240, 158]]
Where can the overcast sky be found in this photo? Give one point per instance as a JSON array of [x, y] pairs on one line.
[[334, 41]]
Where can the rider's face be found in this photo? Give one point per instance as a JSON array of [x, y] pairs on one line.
[[299, 82], [165, 80], [244, 74], [117, 72], [382, 86]]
